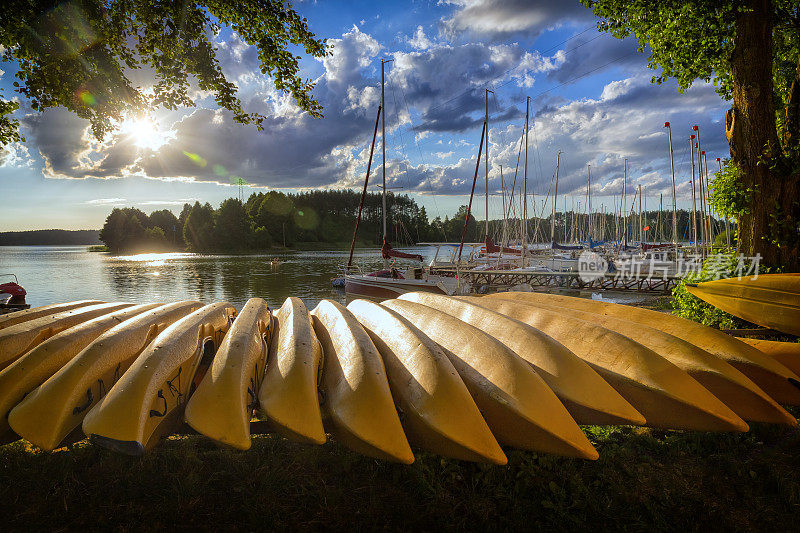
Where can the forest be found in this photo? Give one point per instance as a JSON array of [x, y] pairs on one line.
[[271, 219], [51, 237], [275, 219]]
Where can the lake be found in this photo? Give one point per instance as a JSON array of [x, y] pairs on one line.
[[53, 274]]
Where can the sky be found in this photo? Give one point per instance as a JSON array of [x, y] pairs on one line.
[[591, 97]]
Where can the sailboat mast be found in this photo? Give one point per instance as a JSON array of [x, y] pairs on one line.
[[694, 199], [589, 201], [471, 194], [555, 201], [623, 211], [505, 218], [641, 226], [708, 203], [674, 199], [486, 161], [383, 147], [525, 186], [701, 191], [364, 191]]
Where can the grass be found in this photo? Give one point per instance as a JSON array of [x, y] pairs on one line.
[[643, 479]]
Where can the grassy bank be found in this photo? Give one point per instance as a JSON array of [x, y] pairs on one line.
[[644, 478]]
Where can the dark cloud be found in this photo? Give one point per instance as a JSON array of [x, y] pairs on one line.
[[446, 83], [594, 52], [59, 136], [502, 19]]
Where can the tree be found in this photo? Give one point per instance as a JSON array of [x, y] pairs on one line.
[[198, 232], [187, 208], [233, 229], [168, 223], [455, 226], [79, 54], [274, 213], [749, 50], [124, 230]]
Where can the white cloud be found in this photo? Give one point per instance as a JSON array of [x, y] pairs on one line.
[[105, 201], [419, 40]]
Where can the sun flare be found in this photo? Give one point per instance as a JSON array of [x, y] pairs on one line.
[[145, 132]]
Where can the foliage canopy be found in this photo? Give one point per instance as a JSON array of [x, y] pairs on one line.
[[83, 54]]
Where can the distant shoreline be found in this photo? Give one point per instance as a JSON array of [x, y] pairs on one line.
[[50, 237]]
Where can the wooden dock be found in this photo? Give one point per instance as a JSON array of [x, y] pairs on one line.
[[493, 280]]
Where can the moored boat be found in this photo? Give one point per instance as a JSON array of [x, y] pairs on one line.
[[12, 295]]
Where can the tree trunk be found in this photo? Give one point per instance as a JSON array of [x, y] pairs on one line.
[[770, 228]]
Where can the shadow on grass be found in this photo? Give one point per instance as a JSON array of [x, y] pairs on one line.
[[644, 478]]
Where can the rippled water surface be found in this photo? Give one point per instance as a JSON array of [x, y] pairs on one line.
[[62, 273]]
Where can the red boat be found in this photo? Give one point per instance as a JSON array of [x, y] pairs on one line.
[[12, 295]]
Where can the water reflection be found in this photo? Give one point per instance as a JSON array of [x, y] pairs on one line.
[[57, 274], [53, 274]]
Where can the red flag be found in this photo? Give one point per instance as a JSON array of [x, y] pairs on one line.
[[646, 228]]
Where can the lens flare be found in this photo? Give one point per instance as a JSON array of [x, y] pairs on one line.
[[196, 159], [87, 98]]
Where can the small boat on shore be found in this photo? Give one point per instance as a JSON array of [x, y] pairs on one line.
[[12, 295]]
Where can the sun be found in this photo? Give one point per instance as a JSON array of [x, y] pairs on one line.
[[145, 132]]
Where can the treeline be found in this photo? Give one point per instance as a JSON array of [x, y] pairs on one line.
[[273, 219], [52, 237]]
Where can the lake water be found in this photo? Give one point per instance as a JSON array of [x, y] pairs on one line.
[[53, 274]]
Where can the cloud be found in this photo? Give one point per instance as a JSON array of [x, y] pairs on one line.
[[105, 201], [594, 52], [15, 155], [434, 93], [496, 19], [179, 202], [446, 83], [419, 40], [626, 122]]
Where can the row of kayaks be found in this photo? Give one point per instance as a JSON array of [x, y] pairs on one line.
[[457, 376]]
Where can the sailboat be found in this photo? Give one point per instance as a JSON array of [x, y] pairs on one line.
[[389, 282]]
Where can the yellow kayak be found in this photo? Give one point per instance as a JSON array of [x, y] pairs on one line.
[[148, 401], [56, 408], [771, 376], [25, 315], [223, 404], [439, 414], [33, 368], [786, 353], [666, 395], [17, 339], [735, 389], [357, 400], [587, 396], [516, 403], [769, 300], [288, 394]]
